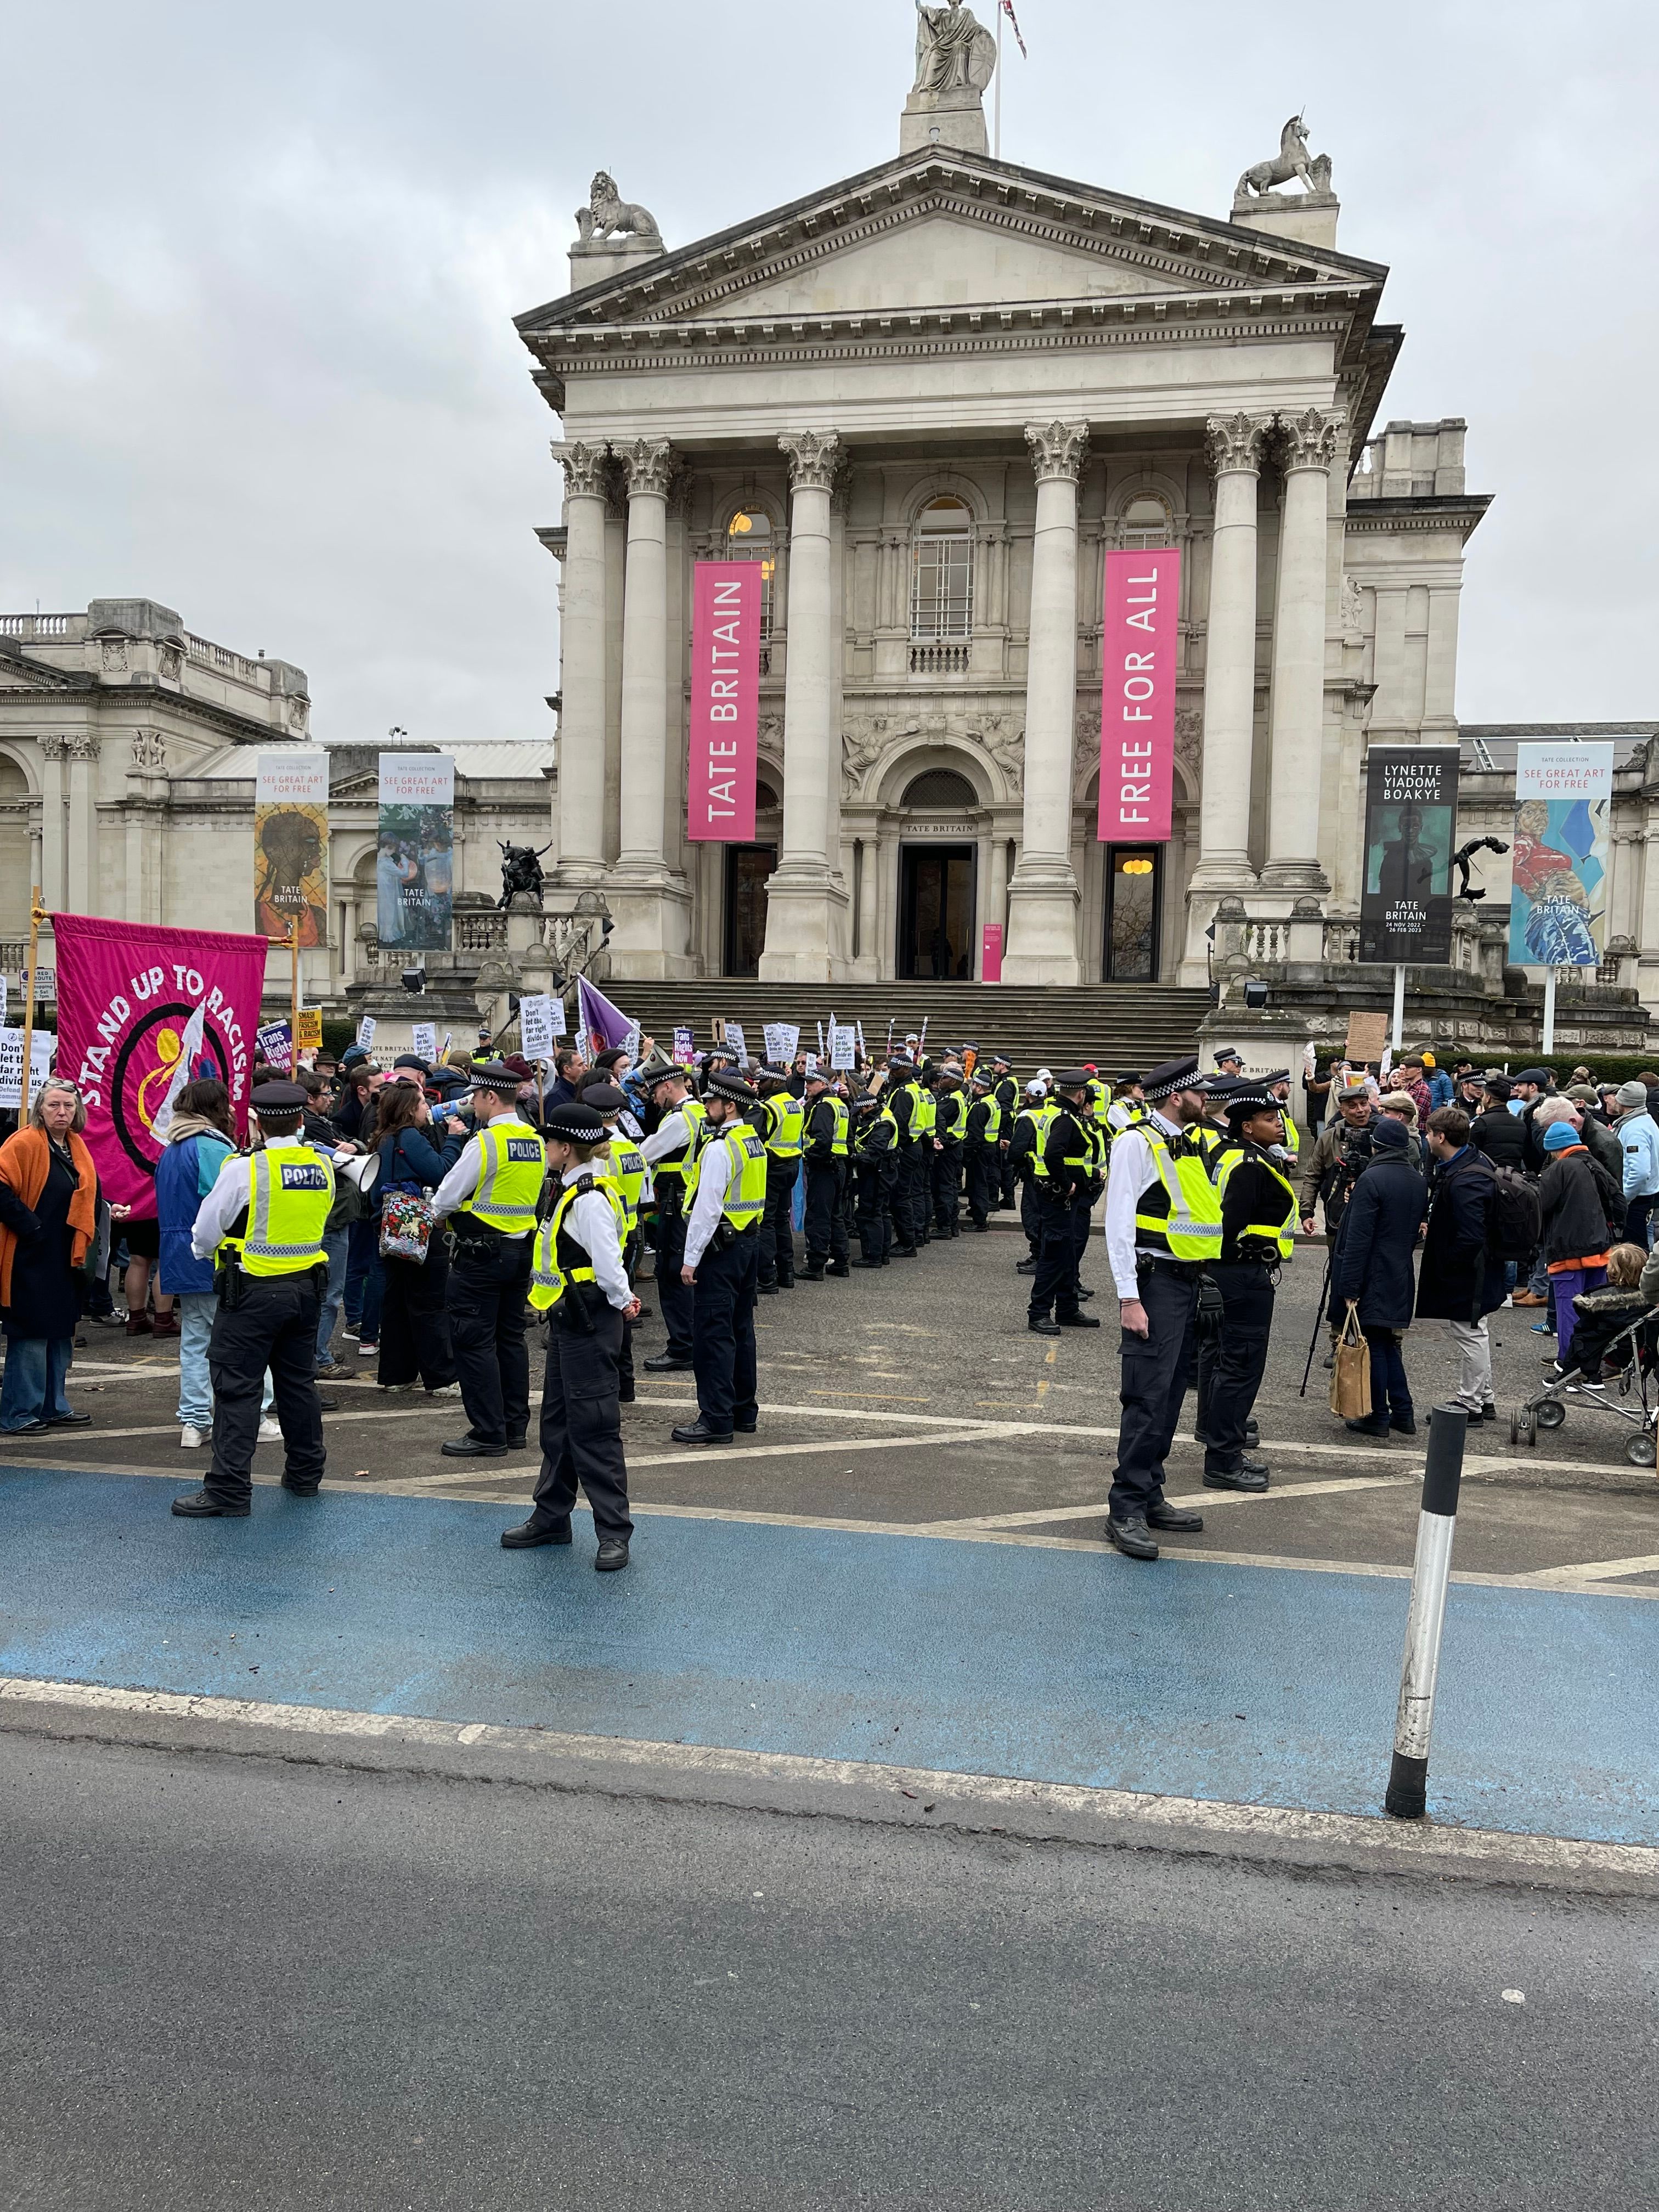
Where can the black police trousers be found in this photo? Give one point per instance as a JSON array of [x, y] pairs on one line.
[[1032, 1198], [723, 1333], [947, 1188], [984, 1180], [777, 1244], [899, 1213], [1232, 1360], [487, 1292], [1053, 1286], [874, 1177], [1154, 1382], [274, 1325], [674, 1299], [825, 1218], [922, 1189], [581, 1426]]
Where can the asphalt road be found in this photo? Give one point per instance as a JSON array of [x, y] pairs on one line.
[[232, 1982]]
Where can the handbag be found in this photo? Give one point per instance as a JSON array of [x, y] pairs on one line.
[[406, 1223], [1351, 1376]]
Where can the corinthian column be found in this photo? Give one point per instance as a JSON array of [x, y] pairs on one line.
[[1234, 445], [1042, 895], [805, 903], [1307, 446], [652, 914], [582, 717]]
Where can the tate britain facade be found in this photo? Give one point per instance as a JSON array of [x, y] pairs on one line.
[[928, 401]]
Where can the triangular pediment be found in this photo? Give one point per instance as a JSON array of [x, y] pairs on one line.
[[941, 228]]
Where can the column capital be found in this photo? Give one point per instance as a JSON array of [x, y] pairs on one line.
[[84, 745], [1234, 443], [53, 748], [812, 458], [1057, 450], [583, 465], [1308, 440], [649, 463]]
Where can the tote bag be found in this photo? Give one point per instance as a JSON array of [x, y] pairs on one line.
[[1350, 1378], [406, 1223]]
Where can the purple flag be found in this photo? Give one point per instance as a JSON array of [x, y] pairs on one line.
[[605, 1025]]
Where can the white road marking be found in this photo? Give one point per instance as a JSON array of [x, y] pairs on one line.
[[1594, 1570], [1254, 1826], [742, 1451], [1205, 1497]]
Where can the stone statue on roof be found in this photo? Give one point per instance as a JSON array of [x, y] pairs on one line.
[[954, 49]]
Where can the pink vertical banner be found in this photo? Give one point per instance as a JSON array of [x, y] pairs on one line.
[[726, 620], [1139, 649], [990, 953]]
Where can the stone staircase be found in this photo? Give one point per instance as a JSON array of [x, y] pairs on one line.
[[1118, 1026]]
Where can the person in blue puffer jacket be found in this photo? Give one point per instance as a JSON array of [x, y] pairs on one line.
[[198, 1143]]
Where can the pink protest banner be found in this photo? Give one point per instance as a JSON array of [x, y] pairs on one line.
[[141, 1012], [990, 953], [1140, 648], [726, 618]]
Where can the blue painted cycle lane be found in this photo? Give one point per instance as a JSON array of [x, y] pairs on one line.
[[1268, 1686]]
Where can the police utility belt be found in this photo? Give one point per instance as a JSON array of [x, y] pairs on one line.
[[1186, 1271]]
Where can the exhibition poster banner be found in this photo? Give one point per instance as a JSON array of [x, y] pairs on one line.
[[1558, 894], [1139, 649], [726, 620], [414, 877], [142, 1011], [1411, 821], [290, 846]]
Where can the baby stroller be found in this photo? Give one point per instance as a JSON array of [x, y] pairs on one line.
[[1614, 1356]]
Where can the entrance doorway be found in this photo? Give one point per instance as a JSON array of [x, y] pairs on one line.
[[936, 912], [747, 867], [1132, 878]]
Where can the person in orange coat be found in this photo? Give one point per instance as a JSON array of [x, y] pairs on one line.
[[48, 1218]]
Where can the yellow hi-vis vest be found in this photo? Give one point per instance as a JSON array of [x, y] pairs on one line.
[[1281, 1232], [290, 1190], [1292, 1135], [554, 1268], [627, 1173], [952, 1117], [838, 1111], [1041, 1119], [510, 1176], [992, 1117], [679, 1163], [1100, 1099], [745, 1187], [785, 1126], [1179, 1214], [924, 1115]]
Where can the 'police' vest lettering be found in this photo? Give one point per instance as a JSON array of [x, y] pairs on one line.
[[290, 1190], [510, 1176]]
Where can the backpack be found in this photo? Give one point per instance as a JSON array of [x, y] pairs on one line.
[[1611, 1192], [1514, 1221]]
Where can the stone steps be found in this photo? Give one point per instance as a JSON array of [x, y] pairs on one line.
[[1118, 1026]]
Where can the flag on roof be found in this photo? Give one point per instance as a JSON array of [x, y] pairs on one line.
[[1008, 10]]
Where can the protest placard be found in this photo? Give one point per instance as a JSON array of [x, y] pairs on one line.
[[1367, 1037], [308, 1029], [782, 1039], [276, 1044], [734, 1043], [11, 1064], [366, 1032], [425, 1036], [843, 1040], [536, 1029], [685, 1047]]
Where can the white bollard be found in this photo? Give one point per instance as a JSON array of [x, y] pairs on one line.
[[1437, 1524]]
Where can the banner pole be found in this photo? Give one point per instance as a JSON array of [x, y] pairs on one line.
[[37, 916], [997, 129], [1549, 1010], [1399, 1009], [293, 989]]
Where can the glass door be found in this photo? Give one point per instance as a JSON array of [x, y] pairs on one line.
[[1133, 876], [936, 912], [747, 868]]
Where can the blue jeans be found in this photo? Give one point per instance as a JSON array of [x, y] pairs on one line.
[[32, 1388], [365, 1281], [337, 1245], [195, 1312]]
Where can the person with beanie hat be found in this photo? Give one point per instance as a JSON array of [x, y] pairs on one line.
[[1577, 1200], [1371, 1269], [1638, 1140]]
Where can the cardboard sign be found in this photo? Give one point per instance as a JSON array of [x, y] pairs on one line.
[[308, 1029], [1367, 1037], [781, 1040], [276, 1044], [536, 1031], [366, 1032]]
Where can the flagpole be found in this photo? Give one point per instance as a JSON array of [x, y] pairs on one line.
[[294, 995], [37, 916], [997, 148]]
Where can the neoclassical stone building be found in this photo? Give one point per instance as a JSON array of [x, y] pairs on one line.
[[928, 399]]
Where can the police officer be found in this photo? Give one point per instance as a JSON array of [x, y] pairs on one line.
[[1129, 1105], [827, 1155], [1066, 1187], [623, 1164], [727, 1192], [949, 1129], [1006, 1093], [578, 1280], [781, 1123], [924, 1122], [1258, 1225], [667, 1151], [875, 1158], [492, 1192], [265, 1218], [1278, 1086], [899, 1100], [1163, 1228], [981, 1151], [1025, 1143]]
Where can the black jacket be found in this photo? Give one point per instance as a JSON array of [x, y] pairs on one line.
[[1574, 1210], [1373, 1264], [1069, 1137], [1254, 1198], [1459, 1281], [821, 1135], [1499, 1136]]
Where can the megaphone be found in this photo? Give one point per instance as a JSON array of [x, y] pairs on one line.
[[360, 1169]]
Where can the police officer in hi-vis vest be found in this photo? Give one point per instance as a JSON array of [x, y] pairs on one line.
[[781, 1122], [1067, 1180], [948, 1130], [726, 1194], [264, 1219], [622, 1163], [578, 1280], [490, 1198], [667, 1151], [981, 1151], [1163, 1228], [828, 1157], [1258, 1230]]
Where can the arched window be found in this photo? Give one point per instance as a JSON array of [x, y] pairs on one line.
[[766, 800], [13, 850], [942, 573], [940, 791], [1146, 523], [750, 537]]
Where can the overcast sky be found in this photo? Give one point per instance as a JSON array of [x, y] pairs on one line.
[[259, 263]]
